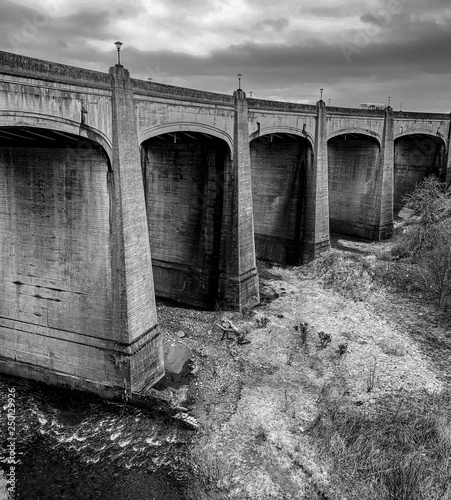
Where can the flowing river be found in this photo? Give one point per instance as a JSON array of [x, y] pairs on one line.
[[71, 445]]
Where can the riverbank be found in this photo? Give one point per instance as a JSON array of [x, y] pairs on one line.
[[266, 407]]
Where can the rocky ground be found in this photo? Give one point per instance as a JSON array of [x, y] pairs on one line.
[[256, 403]]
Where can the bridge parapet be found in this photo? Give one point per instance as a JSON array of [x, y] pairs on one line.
[[417, 115], [153, 89], [15, 64], [355, 112], [263, 104]]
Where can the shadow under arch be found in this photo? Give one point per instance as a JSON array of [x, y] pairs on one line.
[[283, 130], [48, 122], [417, 154], [281, 159], [419, 131], [356, 131], [186, 174], [202, 128], [353, 166]]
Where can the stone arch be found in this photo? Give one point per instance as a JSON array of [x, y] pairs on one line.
[[353, 162], [35, 120], [150, 132], [282, 130], [424, 132], [186, 171], [359, 131], [280, 168], [417, 154]]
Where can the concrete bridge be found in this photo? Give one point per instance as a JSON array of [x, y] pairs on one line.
[[114, 190]]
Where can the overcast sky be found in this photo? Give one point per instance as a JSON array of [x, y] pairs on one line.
[[357, 50]]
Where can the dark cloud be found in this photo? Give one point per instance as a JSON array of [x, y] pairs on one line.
[[275, 24], [26, 29], [405, 55], [337, 11], [297, 71]]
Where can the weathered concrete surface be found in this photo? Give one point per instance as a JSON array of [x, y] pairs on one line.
[[55, 309], [353, 162], [238, 273], [134, 309], [279, 167], [317, 212], [184, 192]]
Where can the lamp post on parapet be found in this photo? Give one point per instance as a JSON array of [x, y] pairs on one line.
[[389, 101], [321, 95], [118, 46], [239, 75]]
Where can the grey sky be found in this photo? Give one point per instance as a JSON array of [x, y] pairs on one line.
[[358, 51]]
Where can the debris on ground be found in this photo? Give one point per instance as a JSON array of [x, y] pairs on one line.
[[228, 327]]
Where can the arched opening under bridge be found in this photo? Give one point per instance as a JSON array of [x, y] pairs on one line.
[[184, 173], [279, 162], [353, 174], [416, 157]]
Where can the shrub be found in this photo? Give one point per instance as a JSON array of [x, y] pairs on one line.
[[436, 262], [324, 339], [349, 275], [428, 241]]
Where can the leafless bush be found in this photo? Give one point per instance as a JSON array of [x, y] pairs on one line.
[[428, 241], [324, 339], [342, 348], [437, 264], [302, 328], [262, 321], [349, 275]]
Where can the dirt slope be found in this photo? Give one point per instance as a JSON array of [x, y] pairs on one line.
[[256, 402]]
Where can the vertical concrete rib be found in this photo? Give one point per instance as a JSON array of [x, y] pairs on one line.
[[239, 283], [133, 296], [317, 240], [385, 182]]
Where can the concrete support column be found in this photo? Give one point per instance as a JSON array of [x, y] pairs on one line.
[[448, 157], [239, 278], [316, 239], [139, 344], [385, 180]]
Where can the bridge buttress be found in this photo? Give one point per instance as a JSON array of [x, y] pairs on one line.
[[385, 181], [317, 239], [238, 284], [134, 307]]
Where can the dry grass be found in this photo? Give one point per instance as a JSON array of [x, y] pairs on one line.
[[348, 274], [401, 451], [212, 473]]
